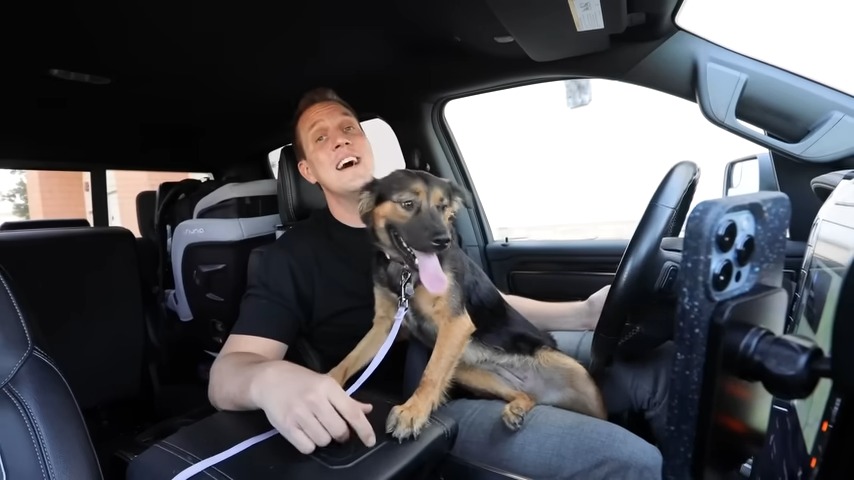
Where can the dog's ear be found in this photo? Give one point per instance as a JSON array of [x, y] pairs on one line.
[[459, 198], [368, 200]]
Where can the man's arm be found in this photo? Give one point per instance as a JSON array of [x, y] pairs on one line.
[[267, 322], [238, 372], [561, 316], [308, 408]]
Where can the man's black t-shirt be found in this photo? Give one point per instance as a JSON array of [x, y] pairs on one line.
[[315, 283]]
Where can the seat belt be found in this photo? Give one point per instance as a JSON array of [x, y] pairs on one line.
[[406, 292]]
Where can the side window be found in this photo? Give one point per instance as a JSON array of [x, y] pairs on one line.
[[44, 195], [580, 159], [388, 155], [123, 186]]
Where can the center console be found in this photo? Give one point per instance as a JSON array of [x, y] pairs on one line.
[[275, 458]]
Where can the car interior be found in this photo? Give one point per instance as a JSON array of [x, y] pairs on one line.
[[108, 329]]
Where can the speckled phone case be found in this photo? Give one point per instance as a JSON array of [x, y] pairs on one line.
[[710, 242]]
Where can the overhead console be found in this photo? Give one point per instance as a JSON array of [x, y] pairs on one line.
[[554, 29], [758, 388], [545, 30]]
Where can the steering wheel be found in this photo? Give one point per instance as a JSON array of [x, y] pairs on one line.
[[640, 268]]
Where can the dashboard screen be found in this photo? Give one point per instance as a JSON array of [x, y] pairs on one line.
[[829, 254]]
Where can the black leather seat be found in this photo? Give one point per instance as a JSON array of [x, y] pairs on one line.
[[92, 325], [43, 223], [81, 288], [43, 435], [147, 241]]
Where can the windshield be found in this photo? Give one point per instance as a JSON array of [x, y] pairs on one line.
[[809, 38]]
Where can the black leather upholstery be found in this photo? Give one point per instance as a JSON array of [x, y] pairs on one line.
[[146, 204], [43, 435], [83, 289], [43, 223], [297, 196], [275, 458]]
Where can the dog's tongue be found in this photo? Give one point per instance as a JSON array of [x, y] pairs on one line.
[[430, 271]]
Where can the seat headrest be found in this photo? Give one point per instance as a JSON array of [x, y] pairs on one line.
[[823, 185], [16, 343], [146, 204], [44, 223], [297, 196]]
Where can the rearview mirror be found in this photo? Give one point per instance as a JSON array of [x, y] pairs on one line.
[[750, 175], [578, 92]]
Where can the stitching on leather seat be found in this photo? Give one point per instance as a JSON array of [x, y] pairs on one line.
[[32, 437], [179, 457], [167, 442], [23, 325], [51, 473], [46, 359], [2, 469]]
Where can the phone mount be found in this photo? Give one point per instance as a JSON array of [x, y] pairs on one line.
[[731, 309], [788, 366]]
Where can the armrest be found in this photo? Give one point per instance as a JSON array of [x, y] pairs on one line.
[[275, 458]]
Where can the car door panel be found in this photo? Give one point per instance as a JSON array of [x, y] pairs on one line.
[[554, 270], [572, 270]]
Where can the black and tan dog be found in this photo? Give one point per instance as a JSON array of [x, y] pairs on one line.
[[478, 340]]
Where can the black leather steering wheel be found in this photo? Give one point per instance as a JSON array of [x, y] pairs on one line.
[[640, 268]]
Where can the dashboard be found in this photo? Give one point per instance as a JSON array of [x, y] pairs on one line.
[[799, 429]]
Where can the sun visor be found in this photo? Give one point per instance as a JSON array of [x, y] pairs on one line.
[[554, 29]]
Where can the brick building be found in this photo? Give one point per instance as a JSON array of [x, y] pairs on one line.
[[53, 194]]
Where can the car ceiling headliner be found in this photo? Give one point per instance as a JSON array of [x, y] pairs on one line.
[[195, 83]]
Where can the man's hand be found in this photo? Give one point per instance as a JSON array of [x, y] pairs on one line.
[[594, 305], [309, 409]]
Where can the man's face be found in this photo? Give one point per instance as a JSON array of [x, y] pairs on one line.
[[338, 156]]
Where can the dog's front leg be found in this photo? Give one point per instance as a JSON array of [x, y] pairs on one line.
[[453, 335], [385, 308]]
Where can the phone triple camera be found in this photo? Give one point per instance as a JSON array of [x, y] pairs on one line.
[[735, 248]]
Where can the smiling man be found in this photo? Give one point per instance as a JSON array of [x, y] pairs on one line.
[[315, 284]]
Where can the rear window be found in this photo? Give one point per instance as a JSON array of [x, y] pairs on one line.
[[123, 186], [53, 194], [44, 195]]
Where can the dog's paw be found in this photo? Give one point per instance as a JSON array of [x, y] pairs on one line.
[[407, 420], [513, 416]]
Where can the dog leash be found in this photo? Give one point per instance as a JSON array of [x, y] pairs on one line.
[[406, 291]]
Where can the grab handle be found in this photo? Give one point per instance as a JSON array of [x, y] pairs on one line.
[[720, 89]]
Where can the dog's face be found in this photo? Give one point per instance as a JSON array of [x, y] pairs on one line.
[[410, 215]]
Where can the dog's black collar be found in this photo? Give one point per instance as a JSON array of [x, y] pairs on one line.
[[407, 288]]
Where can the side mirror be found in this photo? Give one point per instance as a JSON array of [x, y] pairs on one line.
[[750, 175], [578, 92]]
